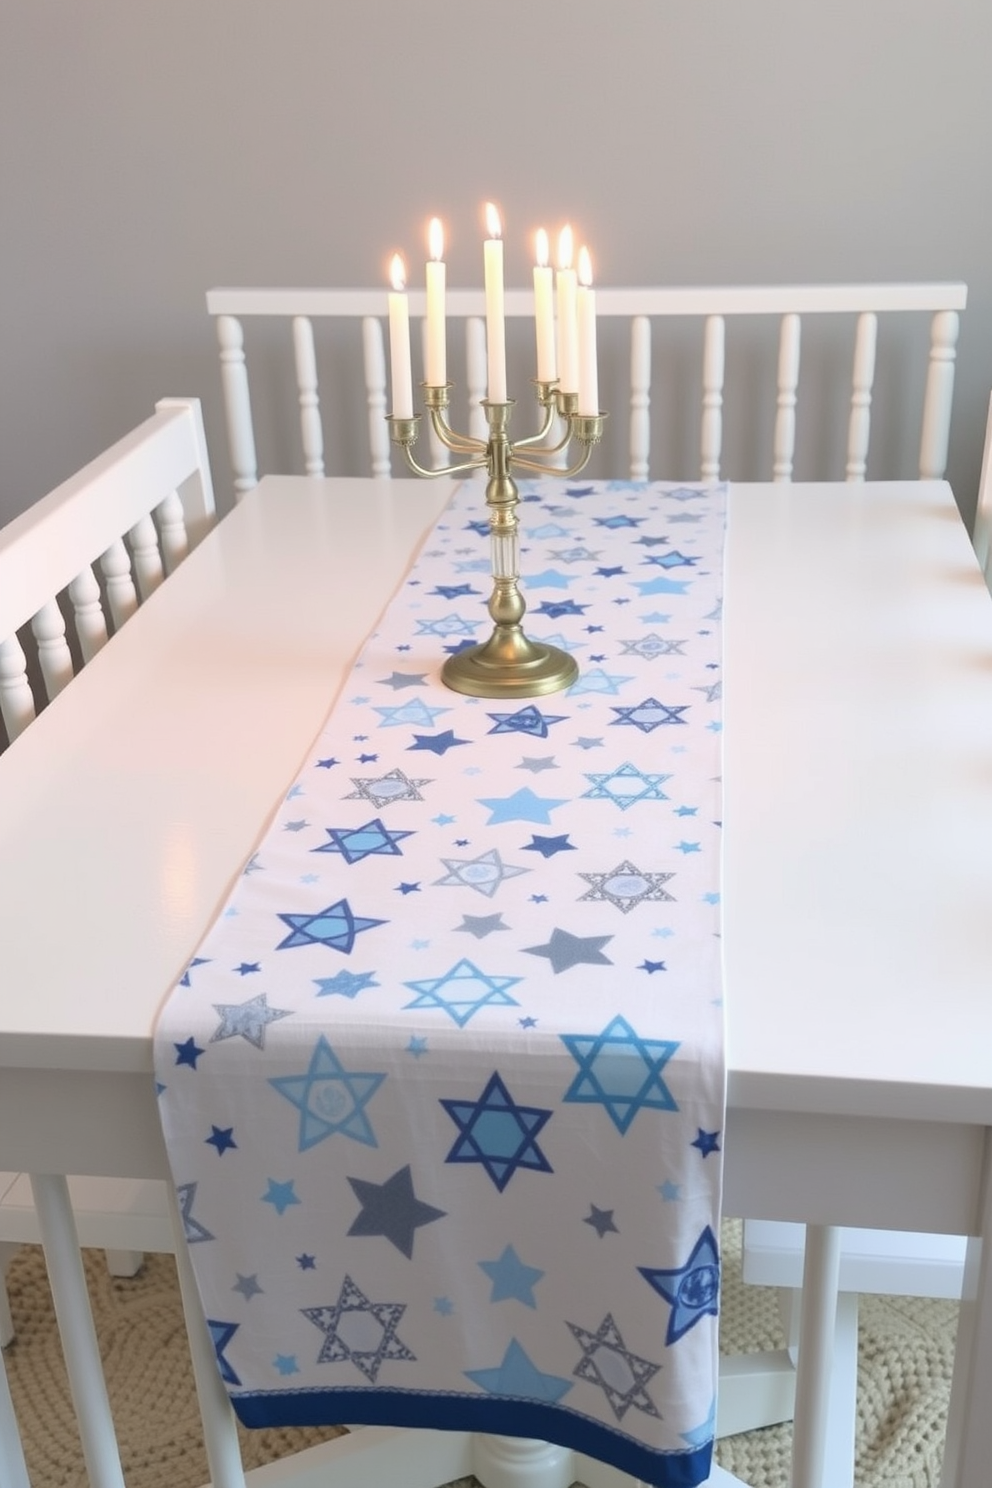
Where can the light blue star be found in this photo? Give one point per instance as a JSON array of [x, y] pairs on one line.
[[511, 1278], [448, 625], [693, 1289], [286, 1364], [523, 805], [662, 586], [626, 786], [336, 927], [620, 1071], [670, 1192], [415, 713], [687, 847], [517, 1376], [345, 983], [702, 1434], [551, 578], [474, 990], [594, 679], [280, 1195], [330, 1098], [546, 530], [416, 1046]]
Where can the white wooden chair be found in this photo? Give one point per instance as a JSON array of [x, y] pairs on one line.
[[132, 514], [644, 310]]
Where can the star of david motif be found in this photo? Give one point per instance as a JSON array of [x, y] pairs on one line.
[[415, 713], [330, 1098], [497, 1133], [192, 1228], [359, 1331], [247, 1020], [626, 786], [651, 646], [671, 559], [220, 1336], [484, 873], [345, 983], [336, 927], [607, 1362], [595, 679], [468, 988], [528, 720], [627, 886], [620, 1071], [693, 1290], [577, 555], [385, 790], [649, 715], [448, 625], [355, 843]]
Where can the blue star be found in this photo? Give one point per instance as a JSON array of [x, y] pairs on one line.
[[687, 847], [528, 720], [184, 980], [649, 715], [626, 786], [345, 983], [280, 1195], [670, 1192], [330, 1098], [517, 1376], [549, 579], [523, 805], [610, 573], [413, 712], [247, 1020], [618, 520], [511, 1278], [188, 1053], [336, 927], [548, 846], [497, 1133], [327, 764], [247, 967], [693, 1289], [651, 966], [466, 979], [444, 1306], [220, 1336], [355, 843], [662, 586], [620, 1071], [671, 559], [555, 608], [594, 679], [407, 888], [707, 1142], [454, 591], [367, 759], [222, 1138], [416, 1046], [306, 1262], [436, 743], [286, 1364]]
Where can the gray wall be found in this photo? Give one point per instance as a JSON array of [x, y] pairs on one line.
[[150, 150]]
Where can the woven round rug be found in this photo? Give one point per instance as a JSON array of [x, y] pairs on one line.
[[906, 1348]]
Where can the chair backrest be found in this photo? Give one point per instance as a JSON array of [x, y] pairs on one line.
[[137, 508], [982, 533], [639, 307]]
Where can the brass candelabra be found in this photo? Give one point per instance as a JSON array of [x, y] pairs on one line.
[[508, 664]]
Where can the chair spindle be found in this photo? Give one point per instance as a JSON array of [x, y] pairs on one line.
[[306, 382]]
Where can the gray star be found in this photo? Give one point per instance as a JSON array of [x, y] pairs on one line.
[[546, 762], [248, 1286], [295, 826], [247, 1020], [588, 743], [601, 1220], [484, 873], [399, 680], [626, 886], [564, 950], [686, 517], [713, 692], [392, 1209], [482, 925], [383, 790]]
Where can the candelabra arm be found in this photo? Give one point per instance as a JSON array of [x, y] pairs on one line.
[[460, 444], [478, 464], [566, 471], [535, 439]]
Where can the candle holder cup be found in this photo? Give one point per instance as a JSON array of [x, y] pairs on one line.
[[508, 664]]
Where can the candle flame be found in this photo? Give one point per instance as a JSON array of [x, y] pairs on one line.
[[585, 267], [542, 248], [435, 239], [493, 226], [397, 272], [565, 248]]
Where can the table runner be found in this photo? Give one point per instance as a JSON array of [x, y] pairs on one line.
[[443, 1087]]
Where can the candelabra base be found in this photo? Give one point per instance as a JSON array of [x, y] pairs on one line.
[[509, 665]]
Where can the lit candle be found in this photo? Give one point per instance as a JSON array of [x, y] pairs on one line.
[[437, 362], [399, 341], [586, 317], [568, 355], [544, 312], [495, 324]]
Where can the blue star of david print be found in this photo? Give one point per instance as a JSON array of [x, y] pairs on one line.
[[620, 1071], [468, 988], [650, 715], [619, 1373], [497, 1133], [330, 1098], [356, 843], [529, 720], [693, 1290], [220, 1336], [335, 927], [627, 786], [344, 1340]]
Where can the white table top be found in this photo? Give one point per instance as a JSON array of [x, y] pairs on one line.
[[858, 784]]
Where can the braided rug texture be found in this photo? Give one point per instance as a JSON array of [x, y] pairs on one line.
[[905, 1355]]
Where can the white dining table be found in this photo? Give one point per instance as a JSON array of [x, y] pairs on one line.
[[857, 932]]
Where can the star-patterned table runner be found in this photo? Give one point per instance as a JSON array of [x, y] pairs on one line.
[[443, 1087]]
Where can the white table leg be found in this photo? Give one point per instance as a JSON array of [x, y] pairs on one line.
[[72, 1312], [518, 1462], [821, 1274], [220, 1435], [968, 1448], [13, 1470]]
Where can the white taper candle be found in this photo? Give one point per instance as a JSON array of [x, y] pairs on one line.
[[437, 357], [544, 312], [495, 322], [568, 353], [586, 318], [399, 341]]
